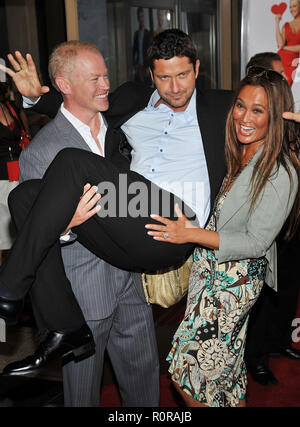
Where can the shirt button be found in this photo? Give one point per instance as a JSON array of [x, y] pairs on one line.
[[161, 150], [153, 170], [166, 132]]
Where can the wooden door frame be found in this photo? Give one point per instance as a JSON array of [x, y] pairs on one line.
[[72, 19]]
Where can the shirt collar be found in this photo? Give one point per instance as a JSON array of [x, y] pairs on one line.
[[78, 124], [189, 113]]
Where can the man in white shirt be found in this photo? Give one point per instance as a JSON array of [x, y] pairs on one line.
[[107, 296]]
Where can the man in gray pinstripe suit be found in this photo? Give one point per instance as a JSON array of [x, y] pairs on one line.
[[120, 320]]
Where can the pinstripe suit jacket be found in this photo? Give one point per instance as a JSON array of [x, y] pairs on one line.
[[95, 283]]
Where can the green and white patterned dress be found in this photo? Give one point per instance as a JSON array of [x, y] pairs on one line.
[[207, 356]]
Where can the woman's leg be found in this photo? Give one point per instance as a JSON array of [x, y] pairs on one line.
[[188, 400], [64, 311], [191, 402], [65, 335]]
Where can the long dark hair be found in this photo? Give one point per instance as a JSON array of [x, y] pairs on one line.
[[4, 88], [282, 141]]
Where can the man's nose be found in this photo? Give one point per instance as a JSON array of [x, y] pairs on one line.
[[174, 86], [103, 83]]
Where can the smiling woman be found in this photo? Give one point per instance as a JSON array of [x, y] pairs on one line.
[[250, 117], [236, 252]]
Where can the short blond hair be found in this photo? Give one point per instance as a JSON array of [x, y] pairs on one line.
[[298, 1], [62, 59]]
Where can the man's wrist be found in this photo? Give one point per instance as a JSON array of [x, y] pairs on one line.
[[65, 237], [29, 102]]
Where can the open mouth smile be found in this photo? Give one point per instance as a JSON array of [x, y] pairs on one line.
[[102, 96], [246, 130]]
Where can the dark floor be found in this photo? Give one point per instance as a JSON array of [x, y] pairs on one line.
[[45, 389]]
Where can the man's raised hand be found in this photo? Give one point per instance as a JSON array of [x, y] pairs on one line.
[[25, 76]]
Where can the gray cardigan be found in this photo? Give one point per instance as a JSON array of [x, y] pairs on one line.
[[244, 235]]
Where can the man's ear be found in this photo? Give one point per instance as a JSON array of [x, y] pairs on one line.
[[63, 84], [197, 66], [151, 74]]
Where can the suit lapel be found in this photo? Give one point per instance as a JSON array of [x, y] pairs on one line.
[[205, 121], [122, 108], [238, 195], [69, 133], [213, 138]]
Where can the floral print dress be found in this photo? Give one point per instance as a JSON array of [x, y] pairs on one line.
[[207, 356]]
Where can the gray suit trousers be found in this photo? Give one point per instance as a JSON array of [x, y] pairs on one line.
[[128, 335], [112, 304]]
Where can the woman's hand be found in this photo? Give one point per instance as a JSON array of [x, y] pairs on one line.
[[278, 18], [291, 116], [86, 207], [171, 231]]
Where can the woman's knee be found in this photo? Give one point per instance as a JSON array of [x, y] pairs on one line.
[[24, 193], [72, 156], [66, 156]]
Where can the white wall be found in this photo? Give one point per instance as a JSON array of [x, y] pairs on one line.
[[259, 34]]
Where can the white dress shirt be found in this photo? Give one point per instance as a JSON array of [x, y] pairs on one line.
[[167, 148], [85, 132]]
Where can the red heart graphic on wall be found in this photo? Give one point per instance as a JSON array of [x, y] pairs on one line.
[[279, 9]]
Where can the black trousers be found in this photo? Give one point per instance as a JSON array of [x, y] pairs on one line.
[[270, 323], [42, 209]]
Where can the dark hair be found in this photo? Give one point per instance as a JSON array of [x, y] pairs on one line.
[[263, 59], [170, 43], [4, 88], [282, 142]]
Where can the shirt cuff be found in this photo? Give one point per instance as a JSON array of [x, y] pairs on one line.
[[27, 103], [66, 237]]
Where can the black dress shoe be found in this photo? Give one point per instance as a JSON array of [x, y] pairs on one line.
[[289, 352], [76, 345], [10, 310], [262, 375]]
